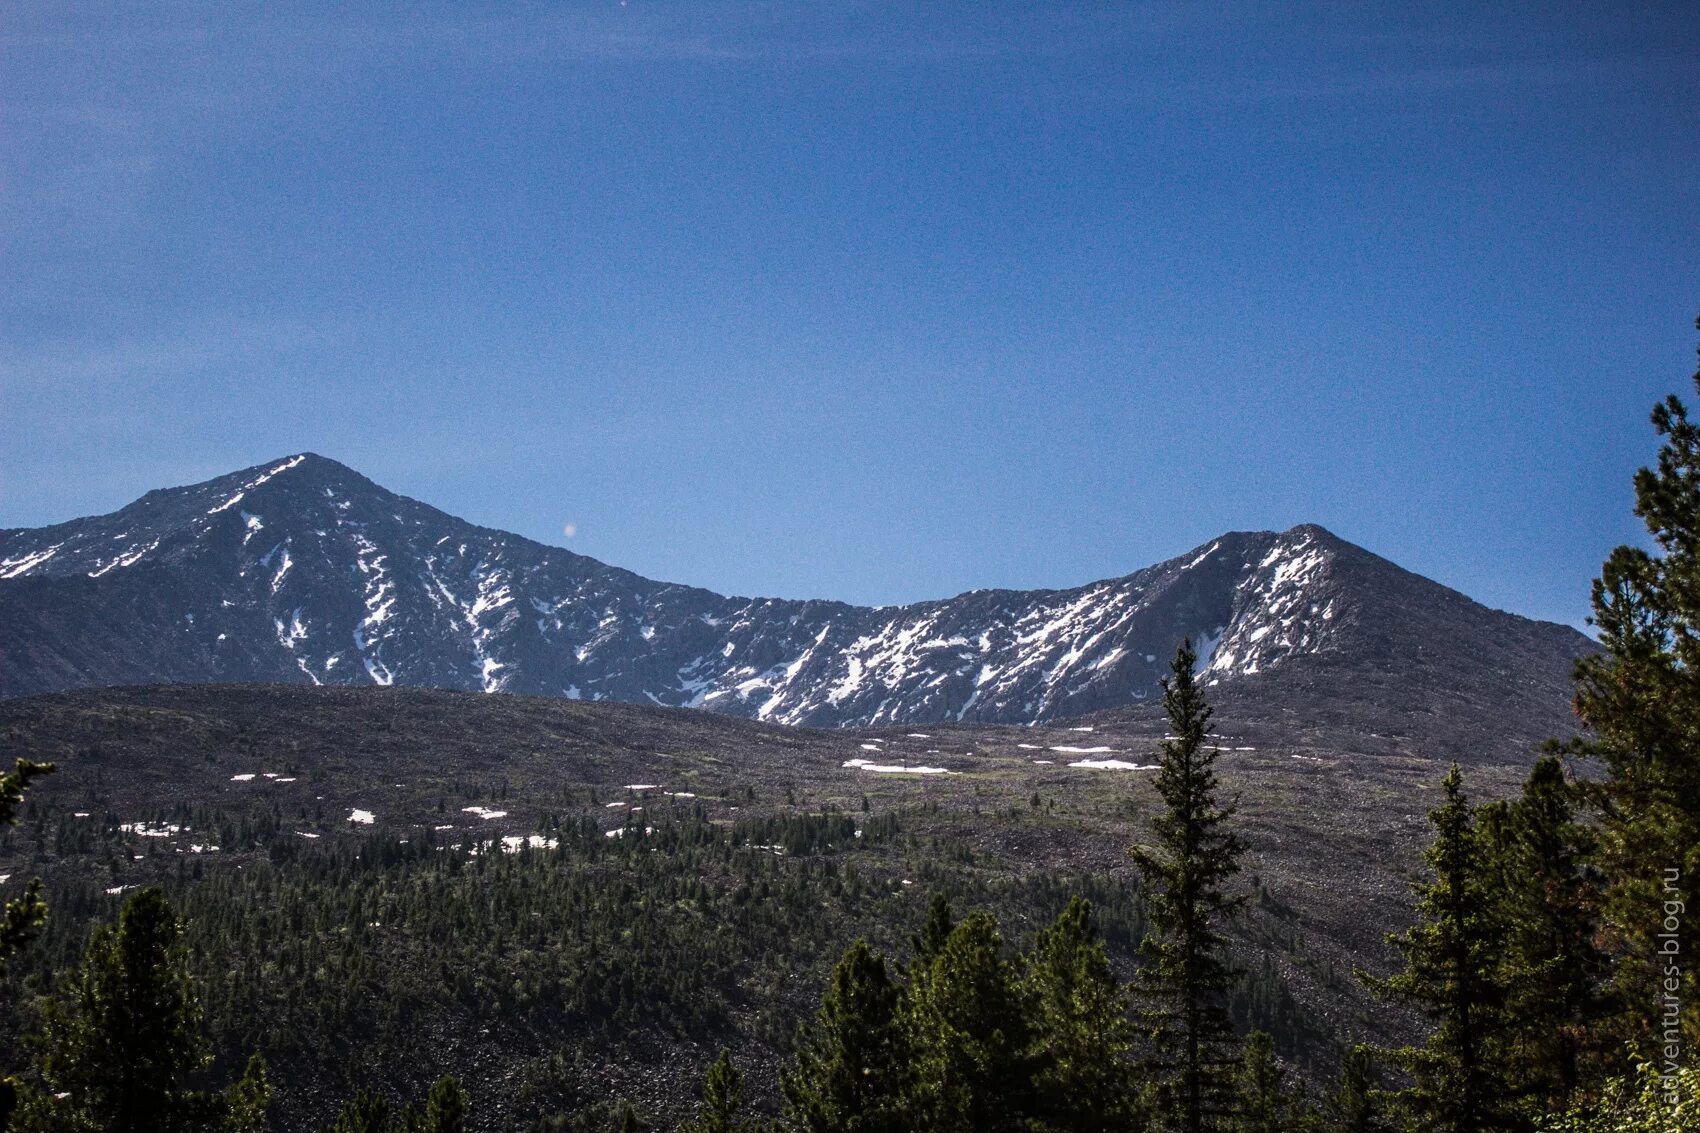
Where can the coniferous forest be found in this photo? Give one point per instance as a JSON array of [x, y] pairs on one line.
[[832, 970]]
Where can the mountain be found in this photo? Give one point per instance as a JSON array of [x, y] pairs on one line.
[[301, 570]]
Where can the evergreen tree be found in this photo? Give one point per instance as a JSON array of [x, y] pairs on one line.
[[722, 1101], [971, 1033], [23, 915], [849, 1072], [445, 1107], [1451, 976], [1187, 975], [366, 1112], [627, 1120], [119, 1047], [1084, 1081], [1355, 1105], [247, 1099], [1262, 1103], [1551, 967], [935, 930], [1640, 701]]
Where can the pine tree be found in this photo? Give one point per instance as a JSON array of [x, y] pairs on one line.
[[119, 1048], [722, 1101], [1355, 1104], [1084, 1081], [22, 916], [850, 1065], [971, 1033], [445, 1107], [1452, 977], [1262, 1103], [1640, 702], [935, 930], [1187, 975], [366, 1112]]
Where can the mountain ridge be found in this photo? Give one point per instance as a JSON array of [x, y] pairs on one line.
[[304, 570]]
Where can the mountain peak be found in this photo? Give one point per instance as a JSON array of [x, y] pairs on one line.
[[301, 569]]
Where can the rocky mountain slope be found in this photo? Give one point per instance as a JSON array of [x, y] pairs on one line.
[[303, 571]]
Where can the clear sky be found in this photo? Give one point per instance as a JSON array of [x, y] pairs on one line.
[[867, 301]]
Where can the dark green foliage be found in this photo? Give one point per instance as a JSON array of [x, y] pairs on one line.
[[971, 1034], [1547, 902], [1084, 1079], [1452, 976], [850, 1067], [369, 1111], [1640, 699], [445, 1108], [1187, 977], [366, 1112], [23, 916], [929, 942], [1356, 1104], [722, 1101], [1262, 1101], [120, 1046]]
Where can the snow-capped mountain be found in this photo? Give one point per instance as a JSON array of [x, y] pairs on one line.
[[302, 570]]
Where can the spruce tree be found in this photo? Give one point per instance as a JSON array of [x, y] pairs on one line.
[[1640, 702], [1187, 975], [1452, 976], [1084, 1079], [851, 1064]]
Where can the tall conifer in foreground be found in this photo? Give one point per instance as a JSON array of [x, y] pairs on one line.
[[1085, 1081], [971, 1033], [1187, 975], [1451, 976], [1640, 699], [849, 1073], [1551, 967], [120, 1048]]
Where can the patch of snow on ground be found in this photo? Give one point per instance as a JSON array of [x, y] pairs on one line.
[[1084, 728], [1114, 765], [890, 769], [151, 830], [1069, 749], [643, 786], [364, 817], [870, 747], [245, 777], [484, 812], [305, 834], [919, 736]]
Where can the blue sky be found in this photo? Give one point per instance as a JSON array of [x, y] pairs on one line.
[[868, 301]]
